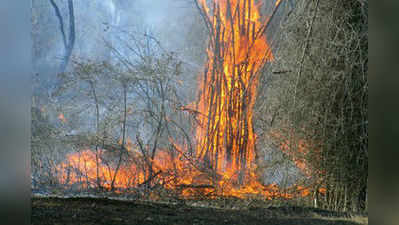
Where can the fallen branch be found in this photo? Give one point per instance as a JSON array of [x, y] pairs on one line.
[[150, 178]]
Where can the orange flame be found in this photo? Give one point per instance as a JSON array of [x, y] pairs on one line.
[[62, 118], [225, 137], [237, 51]]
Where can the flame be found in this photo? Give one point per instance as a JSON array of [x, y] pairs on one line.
[[224, 160], [81, 168], [298, 155], [171, 169], [237, 51], [62, 118]]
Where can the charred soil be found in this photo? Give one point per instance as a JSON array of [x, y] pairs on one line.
[[106, 211]]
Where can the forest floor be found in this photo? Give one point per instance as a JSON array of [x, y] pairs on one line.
[[85, 210]]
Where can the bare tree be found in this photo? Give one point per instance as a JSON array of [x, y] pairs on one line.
[[68, 39], [321, 99]]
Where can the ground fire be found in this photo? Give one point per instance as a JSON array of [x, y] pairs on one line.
[[195, 112], [224, 160]]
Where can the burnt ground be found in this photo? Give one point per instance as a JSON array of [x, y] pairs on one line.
[[89, 211]]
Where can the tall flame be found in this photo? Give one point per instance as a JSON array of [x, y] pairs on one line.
[[237, 51], [225, 137]]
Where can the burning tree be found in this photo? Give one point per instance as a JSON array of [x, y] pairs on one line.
[[237, 51], [222, 161], [130, 131]]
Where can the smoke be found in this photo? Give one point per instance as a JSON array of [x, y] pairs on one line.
[[176, 24], [97, 21]]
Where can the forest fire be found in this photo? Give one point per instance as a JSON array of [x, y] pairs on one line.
[[195, 112], [237, 50], [224, 160], [175, 174]]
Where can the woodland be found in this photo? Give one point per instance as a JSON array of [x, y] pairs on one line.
[[200, 112]]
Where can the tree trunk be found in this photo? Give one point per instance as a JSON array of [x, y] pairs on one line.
[[123, 136], [68, 44], [97, 132]]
